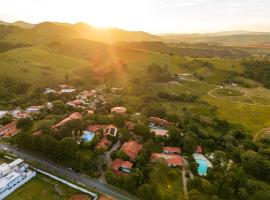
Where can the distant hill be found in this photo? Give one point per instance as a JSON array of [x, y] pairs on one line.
[[234, 38], [21, 24]]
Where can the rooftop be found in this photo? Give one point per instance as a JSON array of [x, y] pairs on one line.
[[132, 149]]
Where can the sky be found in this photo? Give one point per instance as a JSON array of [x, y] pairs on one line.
[[154, 16]]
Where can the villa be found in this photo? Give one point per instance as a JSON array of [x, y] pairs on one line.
[[171, 150], [111, 130], [71, 117], [171, 160], [9, 129], [132, 149], [160, 122], [121, 166], [119, 110], [34, 109], [159, 132]]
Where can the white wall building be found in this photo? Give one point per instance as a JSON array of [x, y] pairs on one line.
[[13, 175]]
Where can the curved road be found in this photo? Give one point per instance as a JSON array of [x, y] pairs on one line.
[[69, 174]]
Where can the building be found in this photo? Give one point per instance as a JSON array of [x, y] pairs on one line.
[[3, 113], [158, 132], [171, 150], [104, 144], [95, 128], [71, 117], [67, 91], [132, 149], [76, 103], [85, 95], [20, 114], [110, 130], [171, 160], [119, 110], [160, 122], [199, 149], [49, 91], [13, 175], [9, 129], [121, 166], [34, 109]]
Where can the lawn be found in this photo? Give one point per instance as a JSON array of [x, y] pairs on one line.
[[42, 188], [167, 182]]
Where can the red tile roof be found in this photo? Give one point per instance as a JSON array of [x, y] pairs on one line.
[[171, 150], [160, 132], [73, 116], [172, 160], [132, 149], [121, 163], [95, 128], [199, 149], [104, 144], [121, 110], [160, 122], [9, 129]]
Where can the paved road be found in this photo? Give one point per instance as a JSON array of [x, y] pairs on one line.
[[69, 174]]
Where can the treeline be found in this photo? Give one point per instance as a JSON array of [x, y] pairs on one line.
[[180, 97], [258, 70], [159, 73], [66, 151], [192, 51], [6, 46]]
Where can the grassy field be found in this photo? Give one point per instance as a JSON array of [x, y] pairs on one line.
[[167, 183], [42, 188]]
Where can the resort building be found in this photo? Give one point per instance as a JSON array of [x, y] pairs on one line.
[[110, 130], [121, 166], [104, 144], [13, 175], [171, 150], [160, 122], [71, 117], [132, 149], [171, 160], [20, 114], [160, 132], [34, 109], [119, 110], [9, 129]]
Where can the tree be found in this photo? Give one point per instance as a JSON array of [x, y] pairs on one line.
[[144, 131], [25, 123], [147, 192], [189, 144], [45, 126], [175, 138]]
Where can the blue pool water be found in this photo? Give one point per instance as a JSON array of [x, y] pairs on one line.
[[202, 169], [87, 136]]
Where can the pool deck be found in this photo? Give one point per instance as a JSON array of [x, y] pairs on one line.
[[198, 156]]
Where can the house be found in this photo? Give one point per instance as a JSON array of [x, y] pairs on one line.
[[71, 117], [19, 114], [121, 166], [104, 144], [160, 122], [171, 160], [3, 113], [49, 91], [171, 150], [95, 128], [110, 130], [67, 90], [85, 95], [119, 110], [34, 109], [76, 103], [199, 149], [160, 132], [9, 129], [129, 125], [132, 149]]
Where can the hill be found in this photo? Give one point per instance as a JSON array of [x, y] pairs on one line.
[[233, 38], [20, 24]]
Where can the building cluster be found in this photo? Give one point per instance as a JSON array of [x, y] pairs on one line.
[[13, 175]]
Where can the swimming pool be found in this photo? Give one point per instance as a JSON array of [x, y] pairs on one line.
[[88, 136], [202, 169]]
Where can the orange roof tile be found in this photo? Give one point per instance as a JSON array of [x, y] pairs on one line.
[[132, 149], [172, 150], [121, 163], [174, 160]]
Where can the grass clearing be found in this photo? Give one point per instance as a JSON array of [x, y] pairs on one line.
[[42, 188]]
